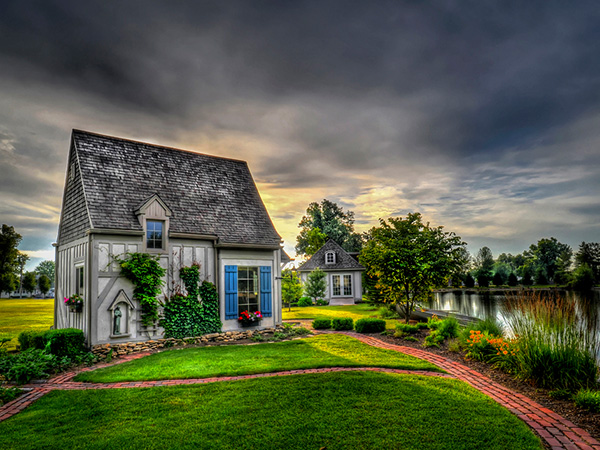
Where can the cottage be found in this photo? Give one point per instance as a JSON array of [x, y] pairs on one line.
[[344, 273], [123, 196]]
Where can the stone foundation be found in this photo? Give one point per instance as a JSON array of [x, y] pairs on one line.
[[126, 348]]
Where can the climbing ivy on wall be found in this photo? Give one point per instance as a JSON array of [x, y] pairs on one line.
[[187, 316], [144, 271]]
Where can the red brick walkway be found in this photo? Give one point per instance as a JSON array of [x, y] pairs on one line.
[[557, 431]]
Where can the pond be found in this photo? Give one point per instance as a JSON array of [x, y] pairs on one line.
[[484, 305]]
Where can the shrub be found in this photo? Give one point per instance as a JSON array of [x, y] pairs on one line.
[[560, 394], [557, 346], [407, 328], [343, 323], [305, 301], [32, 339], [368, 325], [411, 339], [479, 347], [65, 342], [386, 313], [433, 322], [588, 399], [421, 325], [448, 328], [8, 394], [433, 340], [321, 302], [24, 366], [321, 324]]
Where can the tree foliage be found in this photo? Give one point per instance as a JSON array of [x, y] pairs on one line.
[[316, 285], [46, 268], [9, 241], [589, 253], [326, 221], [484, 264], [291, 289], [44, 284], [29, 282], [549, 255], [409, 258]]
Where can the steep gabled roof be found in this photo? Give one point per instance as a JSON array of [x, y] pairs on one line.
[[206, 194], [343, 261]]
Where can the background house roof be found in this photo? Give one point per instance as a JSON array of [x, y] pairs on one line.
[[343, 261], [206, 194]]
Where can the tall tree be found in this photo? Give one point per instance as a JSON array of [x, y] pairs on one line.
[[316, 285], [8, 282], [589, 253], [29, 282], [326, 221], [409, 258], [22, 259], [46, 268], [546, 254], [484, 264], [291, 289], [44, 284], [9, 241]]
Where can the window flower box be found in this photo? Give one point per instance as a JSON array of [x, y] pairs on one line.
[[75, 303], [250, 319]]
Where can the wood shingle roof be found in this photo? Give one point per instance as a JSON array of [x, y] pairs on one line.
[[343, 261], [207, 194]]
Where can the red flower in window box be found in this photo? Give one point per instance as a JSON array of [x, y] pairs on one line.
[[247, 318]]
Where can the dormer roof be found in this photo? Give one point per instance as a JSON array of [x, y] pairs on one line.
[[343, 261]]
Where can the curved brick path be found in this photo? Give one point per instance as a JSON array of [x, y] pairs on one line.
[[558, 432]]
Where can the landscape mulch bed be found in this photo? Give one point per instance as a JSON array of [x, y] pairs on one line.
[[580, 417]]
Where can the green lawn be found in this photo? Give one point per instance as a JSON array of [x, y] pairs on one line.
[[18, 315], [314, 352], [331, 410], [355, 312]]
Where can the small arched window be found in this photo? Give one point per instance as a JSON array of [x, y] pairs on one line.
[[330, 258]]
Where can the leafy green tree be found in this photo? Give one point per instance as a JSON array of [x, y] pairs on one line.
[[330, 220], [484, 263], [316, 285], [44, 284], [483, 280], [583, 278], [29, 282], [463, 265], [512, 279], [527, 280], [498, 279], [9, 241], [8, 282], [291, 289], [548, 255], [46, 268], [589, 253], [410, 258]]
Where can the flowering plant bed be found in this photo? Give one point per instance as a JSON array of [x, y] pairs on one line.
[[249, 319], [75, 303]]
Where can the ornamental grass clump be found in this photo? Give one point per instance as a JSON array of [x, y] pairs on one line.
[[555, 347]]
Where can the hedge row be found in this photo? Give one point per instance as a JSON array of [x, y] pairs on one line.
[[366, 325], [64, 342]]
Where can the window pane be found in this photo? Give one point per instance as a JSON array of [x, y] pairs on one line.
[[347, 284], [336, 285], [248, 298]]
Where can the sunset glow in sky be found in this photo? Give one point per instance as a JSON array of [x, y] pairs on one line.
[[483, 116]]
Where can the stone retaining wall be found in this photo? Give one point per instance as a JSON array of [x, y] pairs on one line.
[[126, 348]]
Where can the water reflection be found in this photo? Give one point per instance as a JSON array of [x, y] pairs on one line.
[[484, 305]]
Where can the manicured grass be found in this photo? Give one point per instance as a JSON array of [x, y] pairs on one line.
[[20, 314], [333, 410], [355, 312], [314, 352]]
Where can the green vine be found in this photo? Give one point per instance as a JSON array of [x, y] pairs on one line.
[[145, 272], [186, 316]]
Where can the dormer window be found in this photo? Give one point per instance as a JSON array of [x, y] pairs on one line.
[[154, 234], [330, 258]]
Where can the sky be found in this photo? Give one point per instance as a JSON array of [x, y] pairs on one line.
[[482, 115]]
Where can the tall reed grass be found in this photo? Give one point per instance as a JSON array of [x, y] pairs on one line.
[[557, 345]]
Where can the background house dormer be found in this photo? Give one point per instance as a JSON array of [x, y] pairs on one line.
[[329, 258], [154, 215]]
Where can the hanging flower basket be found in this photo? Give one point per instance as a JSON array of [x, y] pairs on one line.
[[250, 319], [75, 303]]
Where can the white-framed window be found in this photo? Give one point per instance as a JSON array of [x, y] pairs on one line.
[[248, 289], [79, 280], [155, 232], [341, 285], [330, 258]]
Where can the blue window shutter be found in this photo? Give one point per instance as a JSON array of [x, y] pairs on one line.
[[265, 291], [231, 293]]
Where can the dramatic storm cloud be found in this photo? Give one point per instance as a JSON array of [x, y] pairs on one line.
[[484, 116]]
